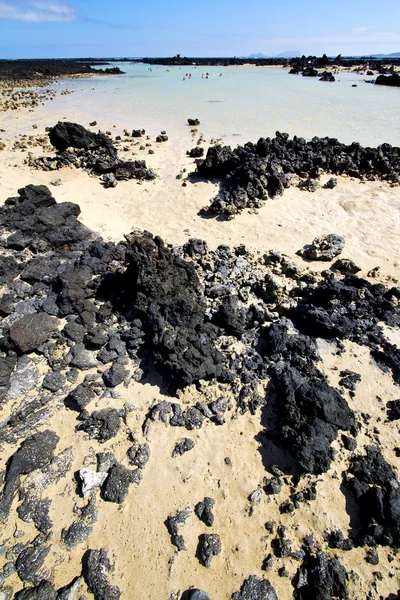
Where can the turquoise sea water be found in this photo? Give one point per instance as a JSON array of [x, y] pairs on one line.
[[241, 105]]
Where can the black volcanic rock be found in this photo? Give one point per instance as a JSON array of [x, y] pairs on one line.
[[391, 80], [324, 248], [32, 330], [376, 491], [95, 567], [251, 173], [43, 591], [44, 223], [327, 76], [102, 425], [80, 148], [34, 453], [209, 546], [310, 414], [204, 512], [164, 291], [321, 578], [116, 486], [254, 588], [71, 135]]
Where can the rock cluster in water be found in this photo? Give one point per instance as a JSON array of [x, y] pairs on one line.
[[251, 173], [391, 80]]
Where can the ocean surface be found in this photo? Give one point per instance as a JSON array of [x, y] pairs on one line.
[[242, 104]]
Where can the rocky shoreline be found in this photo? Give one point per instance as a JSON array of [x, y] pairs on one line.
[[25, 83]]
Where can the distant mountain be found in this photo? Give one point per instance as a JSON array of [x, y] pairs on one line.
[[286, 54], [393, 55], [289, 54]]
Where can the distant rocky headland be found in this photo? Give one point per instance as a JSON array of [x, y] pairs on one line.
[[43, 69]]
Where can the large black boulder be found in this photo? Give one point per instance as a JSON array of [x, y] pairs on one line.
[[164, 292], [71, 135], [309, 415]]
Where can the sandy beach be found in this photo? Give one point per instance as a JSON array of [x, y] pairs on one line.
[[367, 214]]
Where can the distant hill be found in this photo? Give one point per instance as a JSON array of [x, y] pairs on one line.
[[286, 54], [289, 54]]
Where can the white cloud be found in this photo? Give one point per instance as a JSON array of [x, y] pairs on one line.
[[37, 12], [360, 29]]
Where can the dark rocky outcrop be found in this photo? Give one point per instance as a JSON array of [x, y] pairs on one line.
[[95, 152], [321, 578], [376, 490], [165, 293], [391, 80], [41, 223], [251, 173], [309, 412], [327, 76], [71, 135]]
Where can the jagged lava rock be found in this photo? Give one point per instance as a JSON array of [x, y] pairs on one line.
[[254, 588], [34, 453], [323, 248], [95, 567]]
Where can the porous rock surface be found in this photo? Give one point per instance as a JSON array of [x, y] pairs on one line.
[[251, 173]]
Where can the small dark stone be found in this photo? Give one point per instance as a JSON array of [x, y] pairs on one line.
[[349, 443], [254, 588], [32, 331], [393, 410], [372, 556], [54, 381], [204, 511], [209, 546], [115, 375], [116, 486], [102, 424], [183, 446], [172, 523], [139, 455]]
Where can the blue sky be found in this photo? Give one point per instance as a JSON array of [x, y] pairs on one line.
[[74, 28]]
